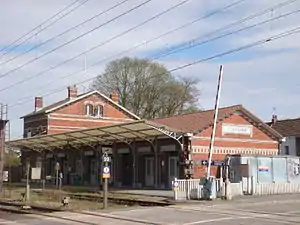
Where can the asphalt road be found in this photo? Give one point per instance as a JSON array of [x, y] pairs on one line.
[[245, 211]]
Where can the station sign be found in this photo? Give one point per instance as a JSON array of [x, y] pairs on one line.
[[213, 163], [106, 172], [175, 186], [57, 166]]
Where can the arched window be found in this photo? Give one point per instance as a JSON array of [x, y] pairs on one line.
[[89, 109], [99, 111]]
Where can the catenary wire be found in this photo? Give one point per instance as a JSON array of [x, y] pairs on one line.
[[11, 46], [229, 52], [66, 31], [76, 38], [97, 46], [159, 55], [219, 37], [253, 16], [226, 34], [113, 38]]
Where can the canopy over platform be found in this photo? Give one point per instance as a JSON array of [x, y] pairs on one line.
[[140, 130]]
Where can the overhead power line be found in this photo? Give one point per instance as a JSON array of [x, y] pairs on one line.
[[12, 45], [189, 46], [121, 34], [229, 52], [101, 44], [192, 42], [226, 34], [76, 38], [66, 31]]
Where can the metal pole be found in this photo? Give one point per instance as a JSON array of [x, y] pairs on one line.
[[212, 139], [1, 153], [105, 193], [57, 185], [27, 183], [105, 189]]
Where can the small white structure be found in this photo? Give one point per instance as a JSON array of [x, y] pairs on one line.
[[290, 130]]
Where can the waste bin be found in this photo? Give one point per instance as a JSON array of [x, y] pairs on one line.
[[209, 191]]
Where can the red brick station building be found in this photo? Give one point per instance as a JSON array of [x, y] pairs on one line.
[[76, 130]]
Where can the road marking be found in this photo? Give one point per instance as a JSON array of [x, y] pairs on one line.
[[216, 220], [134, 210], [8, 222], [254, 215]]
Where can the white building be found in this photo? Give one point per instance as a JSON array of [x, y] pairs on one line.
[[290, 130]]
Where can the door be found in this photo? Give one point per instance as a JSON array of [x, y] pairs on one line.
[[173, 170], [126, 162], [149, 170], [93, 172]]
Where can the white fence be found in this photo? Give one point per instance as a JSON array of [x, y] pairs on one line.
[[275, 188], [192, 189]]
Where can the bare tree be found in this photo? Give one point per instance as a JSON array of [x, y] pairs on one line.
[[147, 88]]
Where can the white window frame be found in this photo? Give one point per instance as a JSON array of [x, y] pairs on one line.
[[98, 109], [89, 109]]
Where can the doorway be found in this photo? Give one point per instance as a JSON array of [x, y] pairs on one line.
[[127, 172], [93, 172], [149, 171], [173, 169]]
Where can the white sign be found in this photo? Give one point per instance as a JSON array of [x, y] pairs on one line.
[[237, 129], [106, 169], [36, 173], [5, 175]]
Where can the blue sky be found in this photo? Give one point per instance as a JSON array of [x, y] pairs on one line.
[[259, 78]]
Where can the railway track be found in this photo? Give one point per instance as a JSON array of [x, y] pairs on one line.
[[122, 200], [11, 208]]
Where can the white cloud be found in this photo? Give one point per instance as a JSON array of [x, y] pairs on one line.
[[258, 81]]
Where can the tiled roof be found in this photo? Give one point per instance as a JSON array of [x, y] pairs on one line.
[[66, 101], [193, 122], [288, 127], [49, 107], [198, 121]]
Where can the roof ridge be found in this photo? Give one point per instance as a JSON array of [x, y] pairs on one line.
[[200, 111], [297, 118]]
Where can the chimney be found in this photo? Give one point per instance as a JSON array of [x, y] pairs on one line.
[[274, 119], [72, 91], [115, 96], [38, 103]]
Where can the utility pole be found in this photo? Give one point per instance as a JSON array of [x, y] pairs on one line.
[[3, 121]]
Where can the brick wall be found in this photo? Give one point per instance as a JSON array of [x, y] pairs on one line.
[[258, 143], [72, 117]]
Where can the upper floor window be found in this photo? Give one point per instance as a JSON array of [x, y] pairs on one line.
[[99, 111], [89, 109]]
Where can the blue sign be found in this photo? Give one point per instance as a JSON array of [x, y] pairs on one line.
[[213, 163], [106, 172], [263, 169], [175, 185], [204, 162], [217, 163]]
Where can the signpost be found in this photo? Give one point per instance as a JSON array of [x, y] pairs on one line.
[[175, 187], [57, 168], [106, 159]]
